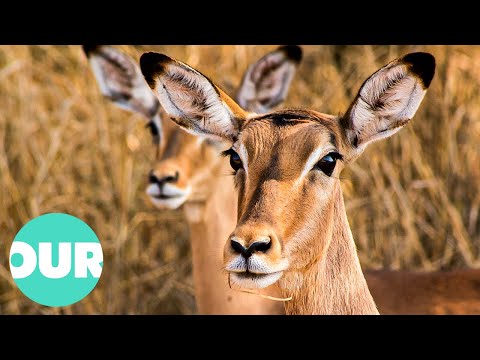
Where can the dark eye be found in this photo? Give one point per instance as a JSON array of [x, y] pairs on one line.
[[235, 161], [153, 128], [154, 131], [328, 162]]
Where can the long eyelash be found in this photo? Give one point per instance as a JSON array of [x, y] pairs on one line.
[[336, 155], [228, 152]]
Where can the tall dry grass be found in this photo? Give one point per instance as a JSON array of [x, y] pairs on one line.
[[413, 200]]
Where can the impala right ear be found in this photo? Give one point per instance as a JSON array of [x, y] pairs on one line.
[[387, 100], [191, 99], [120, 80], [267, 81]]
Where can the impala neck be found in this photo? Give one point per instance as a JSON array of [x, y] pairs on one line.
[[211, 223], [335, 284]]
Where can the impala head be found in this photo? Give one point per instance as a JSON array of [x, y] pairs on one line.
[[184, 162], [287, 163]]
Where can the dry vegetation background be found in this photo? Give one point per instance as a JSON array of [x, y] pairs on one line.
[[413, 201]]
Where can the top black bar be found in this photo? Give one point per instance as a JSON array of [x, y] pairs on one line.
[[298, 26]]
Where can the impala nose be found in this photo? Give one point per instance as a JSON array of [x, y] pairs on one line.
[[163, 179], [260, 245]]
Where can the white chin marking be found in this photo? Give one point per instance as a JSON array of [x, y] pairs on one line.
[[173, 203], [254, 281], [178, 197]]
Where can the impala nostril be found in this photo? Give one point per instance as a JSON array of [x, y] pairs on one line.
[[237, 247], [261, 246], [152, 178], [171, 179]]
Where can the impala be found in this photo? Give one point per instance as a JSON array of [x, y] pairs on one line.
[[292, 229], [430, 292], [189, 171]]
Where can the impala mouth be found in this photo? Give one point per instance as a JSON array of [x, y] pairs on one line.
[[165, 197], [251, 280], [168, 197], [254, 272]]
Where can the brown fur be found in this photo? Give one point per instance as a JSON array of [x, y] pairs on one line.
[[335, 283], [433, 293], [207, 235], [325, 276]]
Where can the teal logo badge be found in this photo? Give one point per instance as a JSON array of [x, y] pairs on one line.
[[56, 259]]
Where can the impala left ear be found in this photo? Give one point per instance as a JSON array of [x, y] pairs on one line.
[[387, 100], [191, 99], [266, 82], [120, 80]]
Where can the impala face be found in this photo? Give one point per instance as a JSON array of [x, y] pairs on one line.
[[287, 163], [183, 166], [184, 163]]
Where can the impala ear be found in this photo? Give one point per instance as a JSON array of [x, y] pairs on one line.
[[387, 100], [121, 81], [191, 99], [265, 84]]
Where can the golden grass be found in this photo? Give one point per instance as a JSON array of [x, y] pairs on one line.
[[413, 200]]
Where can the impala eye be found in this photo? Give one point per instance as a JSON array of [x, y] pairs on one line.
[[235, 161], [154, 131], [328, 162]]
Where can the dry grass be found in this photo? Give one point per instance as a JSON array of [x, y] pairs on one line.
[[413, 201]]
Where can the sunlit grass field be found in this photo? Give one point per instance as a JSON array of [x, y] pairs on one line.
[[413, 200]]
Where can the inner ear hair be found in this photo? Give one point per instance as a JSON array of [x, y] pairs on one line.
[[191, 99], [388, 99], [266, 82], [120, 80]]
